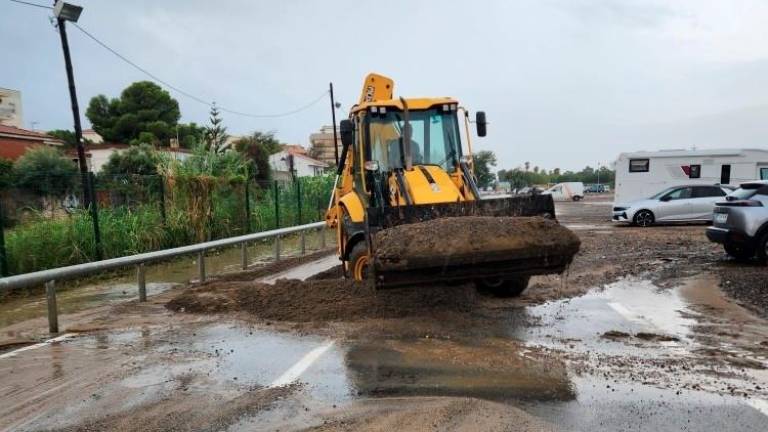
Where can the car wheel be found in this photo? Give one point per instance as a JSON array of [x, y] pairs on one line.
[[644, 218], [511, 287], [762, 251], [738, 251], [577, 198], [359, 261]]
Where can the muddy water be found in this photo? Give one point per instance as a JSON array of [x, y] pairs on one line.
[[76, 296], [553, 360]]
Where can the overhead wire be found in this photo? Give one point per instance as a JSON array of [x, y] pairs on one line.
[[32, 4], [176, 88]]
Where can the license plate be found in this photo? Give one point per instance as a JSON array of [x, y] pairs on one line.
[[721, 217]]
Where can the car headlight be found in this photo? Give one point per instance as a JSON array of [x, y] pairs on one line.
[[618, 209]]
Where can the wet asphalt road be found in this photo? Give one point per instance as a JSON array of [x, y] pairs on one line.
[[578, 364]]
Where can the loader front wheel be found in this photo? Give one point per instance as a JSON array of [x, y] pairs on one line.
[[512, 287], [359, 261]]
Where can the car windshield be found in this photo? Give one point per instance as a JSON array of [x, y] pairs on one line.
[[434, 141], [743, 193]]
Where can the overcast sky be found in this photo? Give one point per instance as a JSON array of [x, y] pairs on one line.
[[565, 83]]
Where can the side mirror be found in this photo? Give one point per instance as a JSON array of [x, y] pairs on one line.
[[481, 124], [347, 132], [665, 198]]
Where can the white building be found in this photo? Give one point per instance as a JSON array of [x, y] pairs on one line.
[[11, 113], [303, 165], [98, 155], [642, 174], [90, 135]]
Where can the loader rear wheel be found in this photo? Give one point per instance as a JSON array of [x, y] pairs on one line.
[[512, 287], [359, 261]]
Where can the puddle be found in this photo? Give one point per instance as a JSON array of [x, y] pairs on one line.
[[632, 306], [492, 370]]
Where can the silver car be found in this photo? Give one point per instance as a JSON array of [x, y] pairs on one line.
[[686, 203], [741, 222]]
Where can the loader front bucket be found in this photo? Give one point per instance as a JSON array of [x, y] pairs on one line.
[[499, 238]]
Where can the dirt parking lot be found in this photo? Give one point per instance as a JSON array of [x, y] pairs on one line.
[[649, 329]]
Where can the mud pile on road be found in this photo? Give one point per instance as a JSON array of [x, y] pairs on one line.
[[471, 240], [321, 300]]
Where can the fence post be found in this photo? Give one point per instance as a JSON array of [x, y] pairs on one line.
[[277, 248], [3, 257], [322, 238], [141, 279], [277, 204], [244, 255], [247, 209], [162, 199], [303, 242], [298, 201], [201, 266], [95, 216], [53, 312]]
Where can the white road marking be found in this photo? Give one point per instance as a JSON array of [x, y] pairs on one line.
[[301, 366], [37, 345], [760, 405], [627, 314], [303, 271]]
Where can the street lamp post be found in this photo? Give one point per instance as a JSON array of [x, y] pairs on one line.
[[68, 12], [598, 174]]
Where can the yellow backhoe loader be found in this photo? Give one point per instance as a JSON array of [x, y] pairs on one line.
[[407, 210]]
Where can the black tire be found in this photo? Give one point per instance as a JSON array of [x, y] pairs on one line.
[[359, 261], [512, 287], [577, 198], [644, 218], [740, 252], [762, 248]]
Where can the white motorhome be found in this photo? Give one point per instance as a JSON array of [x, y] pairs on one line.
[[642, 174]]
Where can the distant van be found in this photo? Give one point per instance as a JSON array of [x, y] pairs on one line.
[[568, 191]]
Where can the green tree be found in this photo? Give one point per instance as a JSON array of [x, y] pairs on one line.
[[216, 134], [140, 160], [144, 112], [257, 148], [45, 172], [65, 135], [190, 134], [7, 177], [483, 161]]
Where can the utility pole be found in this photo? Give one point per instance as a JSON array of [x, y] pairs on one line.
[[67, 12], [333, 117]]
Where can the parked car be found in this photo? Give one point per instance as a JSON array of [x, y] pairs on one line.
[[687, 203], [741, 222], [594, 188], [566, 191]]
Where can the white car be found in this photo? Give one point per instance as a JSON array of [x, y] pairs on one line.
[[686, 203], [566, 191]]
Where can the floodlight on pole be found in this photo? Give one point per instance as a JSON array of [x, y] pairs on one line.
[[66, 11]]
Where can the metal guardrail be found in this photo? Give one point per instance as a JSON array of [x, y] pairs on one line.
[[48, 277]]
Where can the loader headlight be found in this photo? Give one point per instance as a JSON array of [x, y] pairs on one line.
[[372, 165]]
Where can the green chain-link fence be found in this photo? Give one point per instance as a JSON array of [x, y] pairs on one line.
[[46, 227]]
